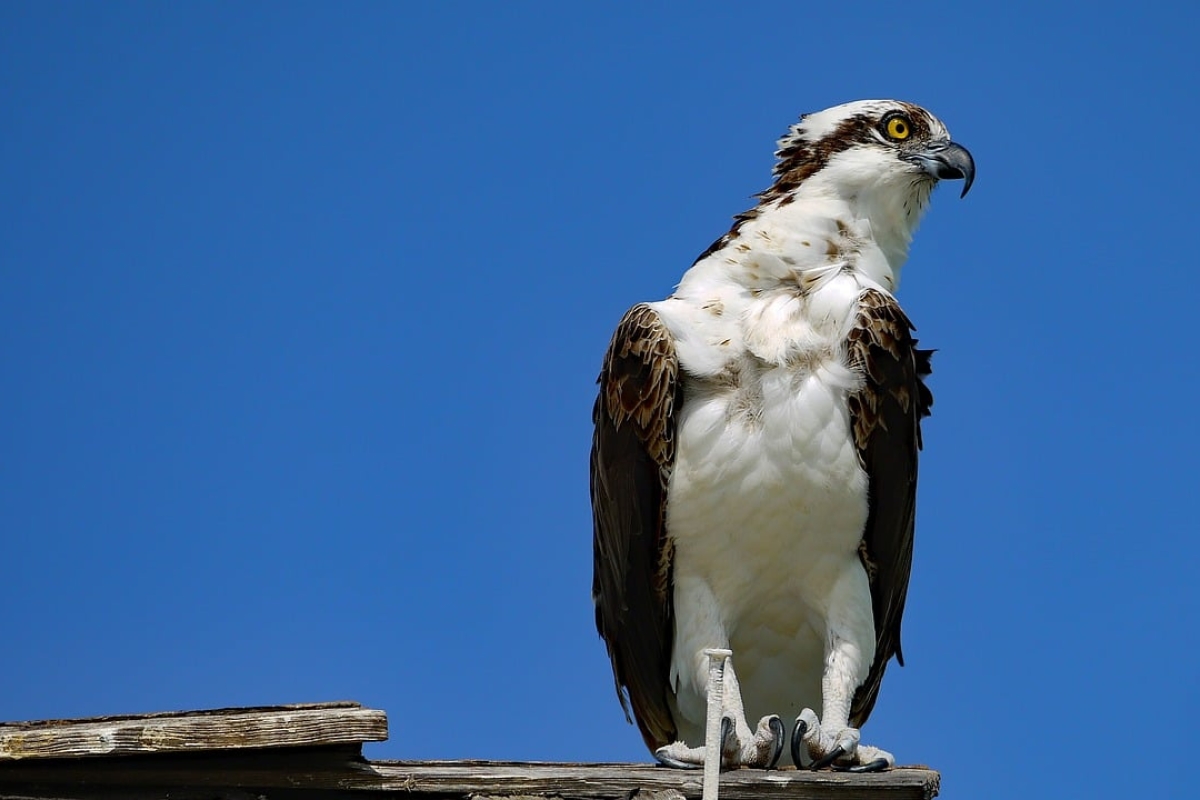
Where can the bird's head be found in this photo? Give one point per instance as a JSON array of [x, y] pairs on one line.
[[884, 155]]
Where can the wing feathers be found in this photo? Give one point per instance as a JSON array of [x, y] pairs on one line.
[[633, 449], [886, 417]]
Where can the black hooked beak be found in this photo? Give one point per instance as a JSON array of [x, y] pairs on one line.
[[947, 160]]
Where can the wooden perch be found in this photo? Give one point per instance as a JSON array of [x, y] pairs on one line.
[[314, 752], [193, 731]]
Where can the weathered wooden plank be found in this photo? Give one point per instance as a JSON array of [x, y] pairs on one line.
[[318, 767], [330, 773], [598, 781], [313, 752], [190, 731]]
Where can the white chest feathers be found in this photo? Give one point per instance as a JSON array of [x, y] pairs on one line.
[[764, 427], [767, 500]]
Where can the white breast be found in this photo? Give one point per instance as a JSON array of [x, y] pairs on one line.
[[767, 501]]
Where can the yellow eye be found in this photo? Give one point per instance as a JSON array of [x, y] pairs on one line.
[[898, 129]]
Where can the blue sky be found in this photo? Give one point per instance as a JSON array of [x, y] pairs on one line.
[[302, 307]]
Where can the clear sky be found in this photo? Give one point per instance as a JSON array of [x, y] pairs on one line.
[[301, 308]]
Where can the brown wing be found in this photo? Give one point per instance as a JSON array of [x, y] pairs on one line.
[[632, 452], [886, 417]]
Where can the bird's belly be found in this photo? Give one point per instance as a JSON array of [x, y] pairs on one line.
[[759, 500], [766, 510]]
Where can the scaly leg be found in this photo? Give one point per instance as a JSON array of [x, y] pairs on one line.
[[850, 646]]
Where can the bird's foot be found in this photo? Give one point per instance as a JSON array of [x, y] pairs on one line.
[[814, 747], [739, 747]]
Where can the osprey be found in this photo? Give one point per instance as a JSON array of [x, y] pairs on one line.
[[754, 463]]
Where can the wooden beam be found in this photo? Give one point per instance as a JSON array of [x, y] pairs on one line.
[[332, 773], [600, 781], [192, 731], [314, 752]]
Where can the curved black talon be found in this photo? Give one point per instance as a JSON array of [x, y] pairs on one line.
[[673, 763], [830, 757], [878, 765], [726, 733], [798, 731], [777, 733]]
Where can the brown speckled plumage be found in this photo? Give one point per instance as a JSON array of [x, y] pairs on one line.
[[633, 449], [885, 416]]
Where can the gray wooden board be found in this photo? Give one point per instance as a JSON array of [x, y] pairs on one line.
[[313, 752], [338, 772], [619, 780], [184, 731]]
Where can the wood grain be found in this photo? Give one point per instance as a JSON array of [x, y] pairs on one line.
[[598, 781], [328, 773], [314, 752], [190, 731]]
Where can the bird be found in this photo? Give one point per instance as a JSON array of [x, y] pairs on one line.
[[753, 465]]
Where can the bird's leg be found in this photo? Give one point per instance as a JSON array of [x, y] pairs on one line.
[[829, 740], [740, 747]]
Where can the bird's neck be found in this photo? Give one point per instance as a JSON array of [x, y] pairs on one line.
[[817, 228]]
